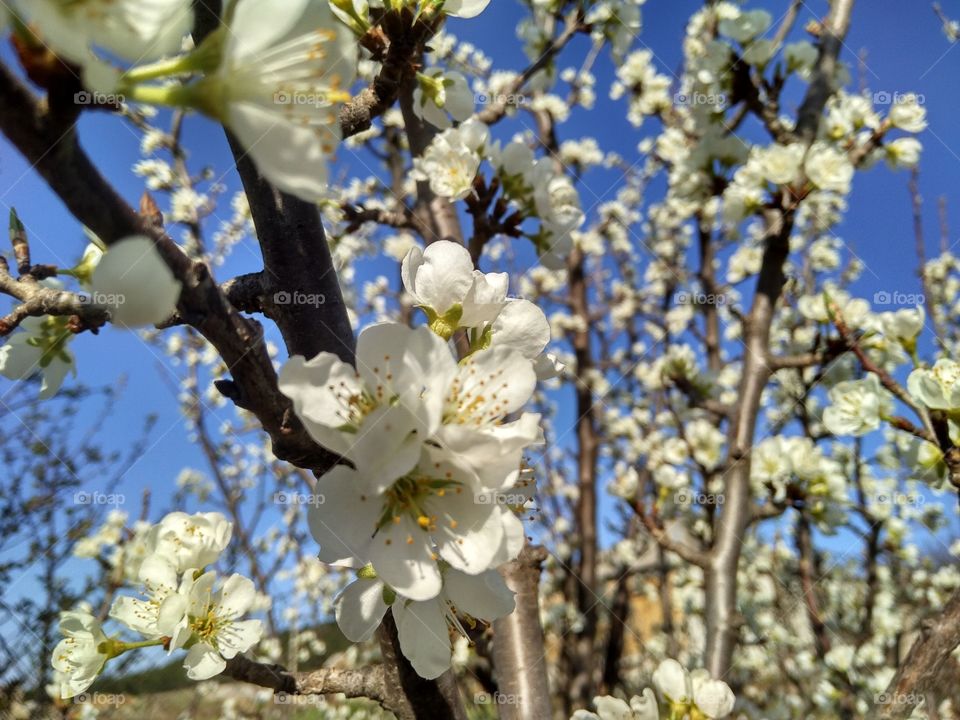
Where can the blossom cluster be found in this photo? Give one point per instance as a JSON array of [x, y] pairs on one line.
[[694, 695], [181, 605], [435, 447]]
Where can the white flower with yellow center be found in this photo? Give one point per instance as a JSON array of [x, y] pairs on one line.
[[378, 415], [163, 606], [939, 387], [438, 511], [275, 74], [80, 656], [857, 406], [212, 628], [451, 161], [190, 541]]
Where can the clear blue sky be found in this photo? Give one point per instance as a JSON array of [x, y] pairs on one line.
[[906, 52]]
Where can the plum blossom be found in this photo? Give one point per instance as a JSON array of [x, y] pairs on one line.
[[908, 114], [441, 95], [190, 541], [857, 406], [210, 625], [451, 161], [938, 387], [163, 605], [81, 655], [378, 415], [454, 295]]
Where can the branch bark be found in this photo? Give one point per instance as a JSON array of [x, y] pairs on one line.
[[519, 656]]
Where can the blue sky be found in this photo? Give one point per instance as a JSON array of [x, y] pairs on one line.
[[906, 52]]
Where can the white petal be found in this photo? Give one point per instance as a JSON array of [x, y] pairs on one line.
[[402, 555], [18, 360], [424, 640], [465, 8], [255, 26], [345, 522], [238, 637], [360, 609], [53, 376], [521, 325], [237, 595], [203, 662], [291, 156], [134, 283], [318, 389], [485, 596], [440, 276]]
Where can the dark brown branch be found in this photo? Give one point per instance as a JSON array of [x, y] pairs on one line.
[[50, 144]]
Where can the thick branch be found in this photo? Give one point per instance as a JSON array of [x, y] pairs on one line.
[[932, 651], [365, 682], [519, 657], [50, 144]]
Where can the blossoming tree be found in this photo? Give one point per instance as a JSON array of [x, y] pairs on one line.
[[601, 459]]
